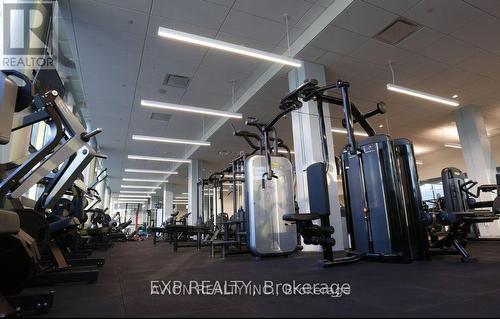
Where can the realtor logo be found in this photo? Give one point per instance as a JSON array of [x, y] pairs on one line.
[[29, 34]]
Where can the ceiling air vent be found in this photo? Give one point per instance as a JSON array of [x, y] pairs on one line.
[[160, 116], [177, 81], [397, 31]]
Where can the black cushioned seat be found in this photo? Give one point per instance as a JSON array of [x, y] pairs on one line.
[[300, 217], [63, 225]]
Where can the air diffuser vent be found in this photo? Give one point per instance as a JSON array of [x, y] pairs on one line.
[[177, 81], [160, 116], [397, 31]]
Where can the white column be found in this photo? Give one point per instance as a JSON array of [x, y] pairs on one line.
[[479, 161], [307, 146], [195, 173], [168, 197]]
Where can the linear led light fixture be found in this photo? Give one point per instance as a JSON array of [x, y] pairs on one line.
[[226, 46], [140, 186], [181, 197], [191, 109], [185, 193], [422, 95], [144, 180], [142, 200], [136, 192], [419, 162], [148, 171], [344, 131], [285, 152], [131, 202], [169, 140], [134, 196], [452, 145], [158, 159]]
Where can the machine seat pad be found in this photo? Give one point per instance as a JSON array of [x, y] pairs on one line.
[[300, 217], [64, 224], [9, 222]]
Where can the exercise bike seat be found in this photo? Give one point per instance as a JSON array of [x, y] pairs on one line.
[[300, 217]]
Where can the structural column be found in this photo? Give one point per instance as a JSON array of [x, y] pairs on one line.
[[479, 161], [168, 198], [307, 146], [195, 173]]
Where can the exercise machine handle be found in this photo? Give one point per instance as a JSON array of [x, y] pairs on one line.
[[87, 136]]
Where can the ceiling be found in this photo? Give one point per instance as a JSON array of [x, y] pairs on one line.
[[122, 61]]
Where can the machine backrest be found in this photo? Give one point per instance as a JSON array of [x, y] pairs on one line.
[[9, 222], [8, 95], [317, 185], [452, 179]]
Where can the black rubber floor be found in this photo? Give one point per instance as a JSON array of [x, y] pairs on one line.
[[441, 287]]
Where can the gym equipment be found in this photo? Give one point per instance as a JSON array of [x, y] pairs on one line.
[[68, 144], [19, 255], [460, 213], [269, 195], [381, 224]]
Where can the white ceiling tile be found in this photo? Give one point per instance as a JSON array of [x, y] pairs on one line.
[[443, 15], [380, 53], [420, 39], [310, 16], [449, 50], [197, 12], [490, 6], [253, 27], [159, 21], [348, 67], [310, 53], [247, 42], [479, 32], [138, 5], [420, 67], [274, 10], [330, 59], [338, 40], [454, 76], [395, 6], [172, 56], [227, 3], [364, 18], [115, 47], [482, 86], [483, 63], [107, 16], [230, 62]]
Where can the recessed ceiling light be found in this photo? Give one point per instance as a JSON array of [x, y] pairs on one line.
[[455, 96], [158, 159], [190, 109], [381, 126], [143, 180], [169, 140], [226, 46], [344, 131], [422, 95], [148, 171]]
